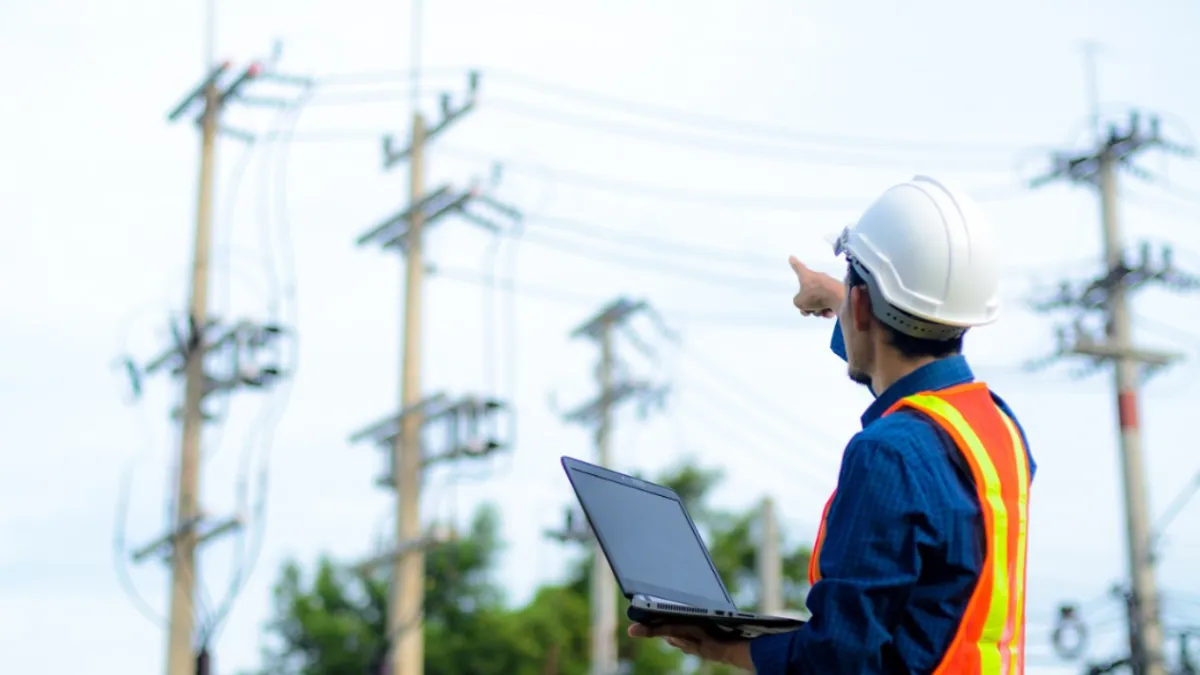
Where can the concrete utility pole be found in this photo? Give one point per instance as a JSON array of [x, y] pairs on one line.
[[770, 562], [406, 231], [408, 571], [180, 657], [1108, 295], [197, 342], [614, 389]]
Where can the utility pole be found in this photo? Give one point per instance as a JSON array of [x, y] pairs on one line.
[[770, 562], [598, 413], [1108, 296], [199, 341], [183, 576], [406, 232]]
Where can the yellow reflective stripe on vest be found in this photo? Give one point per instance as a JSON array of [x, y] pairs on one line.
[[1022, 461], [997, 615]]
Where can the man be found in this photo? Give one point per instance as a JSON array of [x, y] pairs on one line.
[[919, 563]]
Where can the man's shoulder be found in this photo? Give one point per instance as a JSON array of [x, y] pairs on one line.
[[900, 427], [903, 433]]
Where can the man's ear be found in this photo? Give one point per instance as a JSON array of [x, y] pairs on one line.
[[860, 308]]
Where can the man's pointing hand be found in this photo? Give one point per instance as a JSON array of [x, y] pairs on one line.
[[819, 294]]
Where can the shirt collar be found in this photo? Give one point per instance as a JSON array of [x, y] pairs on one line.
[[940, 374]]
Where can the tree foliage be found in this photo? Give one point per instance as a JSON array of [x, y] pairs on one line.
[[333, 621]]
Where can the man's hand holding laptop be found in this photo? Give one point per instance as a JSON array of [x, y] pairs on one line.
[[693, 640]]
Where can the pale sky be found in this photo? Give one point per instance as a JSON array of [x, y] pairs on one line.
[[97, 194]]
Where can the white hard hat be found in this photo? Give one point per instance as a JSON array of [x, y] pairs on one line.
[[926, 250]]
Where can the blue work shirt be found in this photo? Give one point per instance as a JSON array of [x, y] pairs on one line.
[[903, 545]]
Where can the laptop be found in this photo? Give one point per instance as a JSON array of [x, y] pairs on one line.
[[658, 557]]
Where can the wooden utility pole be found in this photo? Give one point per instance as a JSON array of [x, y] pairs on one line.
[[1108, 296], [408, 572], [180, 655], [599, 413], [200, 339], [770, 562], [604, 593], [406, 232]]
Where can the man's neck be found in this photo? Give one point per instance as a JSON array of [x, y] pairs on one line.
[[891, 371]]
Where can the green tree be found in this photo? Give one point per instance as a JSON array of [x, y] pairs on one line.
[[333, 622]]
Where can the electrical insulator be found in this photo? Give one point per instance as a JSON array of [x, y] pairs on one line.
[[1070, 634]]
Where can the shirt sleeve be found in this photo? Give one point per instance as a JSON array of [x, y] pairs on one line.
[[870, 559]]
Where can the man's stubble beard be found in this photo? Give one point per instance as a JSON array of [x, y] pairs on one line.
[[859, 377]]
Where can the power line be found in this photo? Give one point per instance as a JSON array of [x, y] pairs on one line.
[[676, 117], [700, 196], [715, 417], [699, 141], [355, 78], [649, 254], [773, 148], [682, 117], [282, 307], [788, 446], [121, 551], [757, 202], [572, 298], [1177, 505], [664, 113], [744, 394], [653, 264], [647, 242]]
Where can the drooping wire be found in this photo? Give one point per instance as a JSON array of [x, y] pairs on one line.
[[755, 140], [490, 290], [224, 291], [757, 202], [720, 123], [661, 245], [573, 298], [383, 76], [1176, 507], [512, 351], [674, 116], [712, 198], [282, 307], [651, 264], [120, 551], [819, 467], [768, 408], [667, 135], [218, 423]]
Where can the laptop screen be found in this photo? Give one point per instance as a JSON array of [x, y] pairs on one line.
[[649, 540]]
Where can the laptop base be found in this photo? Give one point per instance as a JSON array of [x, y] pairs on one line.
[[723, 626]]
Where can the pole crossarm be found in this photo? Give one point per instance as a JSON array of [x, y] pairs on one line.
[[449, 115]]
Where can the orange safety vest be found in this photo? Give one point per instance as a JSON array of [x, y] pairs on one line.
[[991, 638]]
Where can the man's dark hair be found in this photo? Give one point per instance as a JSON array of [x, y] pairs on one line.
[[908, 346]]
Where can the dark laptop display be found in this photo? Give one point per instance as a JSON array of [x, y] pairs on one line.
[[658, 557], [650, 541]]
